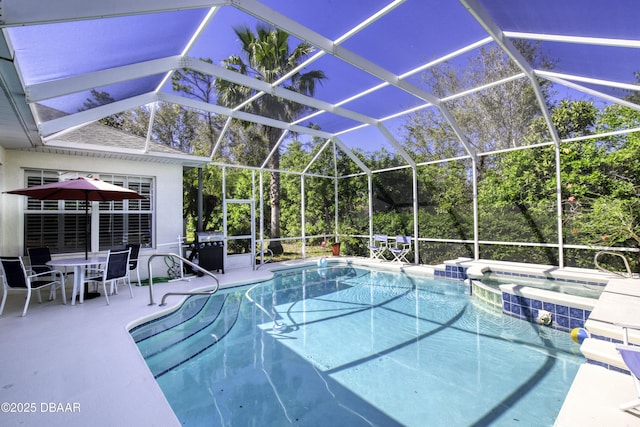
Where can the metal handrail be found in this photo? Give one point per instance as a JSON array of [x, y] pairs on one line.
[[263, 260], [183, 259], [164, 297], [277, 326], [626, 263]]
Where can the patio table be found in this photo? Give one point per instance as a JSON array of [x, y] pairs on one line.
[[78, 265]]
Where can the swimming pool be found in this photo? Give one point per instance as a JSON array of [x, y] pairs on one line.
[[356, 346]]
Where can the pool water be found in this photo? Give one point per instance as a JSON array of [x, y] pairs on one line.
[[356, 347]]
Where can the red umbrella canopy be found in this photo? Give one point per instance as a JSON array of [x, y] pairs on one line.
[[90, 189], [83, 188]]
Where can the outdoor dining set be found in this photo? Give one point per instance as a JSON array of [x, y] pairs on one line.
[[44, 272]]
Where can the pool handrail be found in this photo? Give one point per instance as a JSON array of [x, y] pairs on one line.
[[186, 261], [276, 325], [262, 259], [164, 297], [626, 264]]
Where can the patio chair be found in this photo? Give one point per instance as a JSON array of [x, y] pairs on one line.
[[38, 259], [631, 357], [133, 260], [379, 246], [16, 278], [401, 249], [116, 269]]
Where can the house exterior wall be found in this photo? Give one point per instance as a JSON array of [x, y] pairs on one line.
[[168, 222]]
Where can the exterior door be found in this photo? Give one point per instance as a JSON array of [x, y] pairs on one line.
[[240, 230]]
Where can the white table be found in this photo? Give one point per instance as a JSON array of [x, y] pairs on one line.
[[78, 265]]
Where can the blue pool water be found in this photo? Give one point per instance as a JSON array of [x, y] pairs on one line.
[[358, 347]]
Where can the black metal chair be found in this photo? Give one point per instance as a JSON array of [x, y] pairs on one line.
[[116, 269], [16, 278], [133, 260], [38, 259]]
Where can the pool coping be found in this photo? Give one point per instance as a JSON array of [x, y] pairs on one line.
[[84, 354]]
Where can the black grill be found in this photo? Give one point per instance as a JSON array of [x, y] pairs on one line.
[[209, 246]]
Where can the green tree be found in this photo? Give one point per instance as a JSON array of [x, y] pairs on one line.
[[518, 195], [134, 122], [496, 118], [634, 96], [610, 201], [196, 132], [266, 55], [211, 198], [319, 192], [200, 86], [176, 127]]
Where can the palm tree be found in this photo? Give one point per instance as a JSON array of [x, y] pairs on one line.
[[266, 56]]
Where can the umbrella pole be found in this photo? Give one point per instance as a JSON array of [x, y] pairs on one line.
[[86, 226], [87, 294]]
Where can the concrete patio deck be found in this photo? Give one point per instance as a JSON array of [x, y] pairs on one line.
[[597, 392], [78, 365], [65, 365]]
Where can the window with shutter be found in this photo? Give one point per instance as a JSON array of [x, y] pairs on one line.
[[60, 224]]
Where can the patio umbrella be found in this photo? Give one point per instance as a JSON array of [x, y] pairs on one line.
[[83, 188]]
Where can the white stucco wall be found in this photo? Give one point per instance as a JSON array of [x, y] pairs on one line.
[[4, 227], [168, 197]]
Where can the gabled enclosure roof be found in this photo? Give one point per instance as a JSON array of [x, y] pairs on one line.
[[372, 52]]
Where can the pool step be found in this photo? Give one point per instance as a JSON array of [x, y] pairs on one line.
[[177, 326], [188, 310], [477, 269], [198, 338], [603, 353], [610, 332], [618, 305], [600, 348]]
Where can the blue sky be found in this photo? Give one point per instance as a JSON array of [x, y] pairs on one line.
[[414, 33]]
